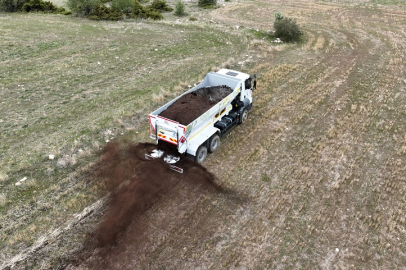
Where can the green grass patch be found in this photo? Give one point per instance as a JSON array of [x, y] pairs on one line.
[[67, 85]]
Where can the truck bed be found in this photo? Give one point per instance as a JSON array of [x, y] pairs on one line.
[[189, 133], [190, 106]]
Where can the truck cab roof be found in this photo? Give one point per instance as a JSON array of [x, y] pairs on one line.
[[236, 74]]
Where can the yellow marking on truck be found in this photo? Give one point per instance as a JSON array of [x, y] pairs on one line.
[[208, 124], [201, 129]]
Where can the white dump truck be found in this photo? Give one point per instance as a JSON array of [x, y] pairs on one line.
[[202, 133]]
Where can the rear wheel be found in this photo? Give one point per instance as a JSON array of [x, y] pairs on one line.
[[214, 143], [201, 154]]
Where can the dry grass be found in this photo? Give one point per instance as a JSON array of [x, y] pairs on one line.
[[3, 177], [315, 176], [320, 161], [61, 96], [3, 199]]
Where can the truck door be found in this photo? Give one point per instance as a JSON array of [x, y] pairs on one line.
[[166, 130]]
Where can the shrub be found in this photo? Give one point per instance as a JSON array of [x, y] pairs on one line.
[[207, 3], [140, 11], [11, 5], [95, 10], [125, 6], [101, 12], [160, 5], [38, 5], [63, 11], [180, 8], [155, 15], [82, 7], [278, 16], [287, 29]]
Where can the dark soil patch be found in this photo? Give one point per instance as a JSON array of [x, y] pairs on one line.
[[135, 184], [190, 106]]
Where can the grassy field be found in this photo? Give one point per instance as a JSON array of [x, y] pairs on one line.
[[68, 85], [318, 170]]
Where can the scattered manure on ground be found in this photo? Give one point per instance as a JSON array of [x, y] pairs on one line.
[[135, 184]]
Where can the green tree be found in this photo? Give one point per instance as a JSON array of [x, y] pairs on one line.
[[180, 8], [286, 29]]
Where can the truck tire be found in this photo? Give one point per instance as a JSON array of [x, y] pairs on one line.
[[214, 143], [201, 154], [243, 116]]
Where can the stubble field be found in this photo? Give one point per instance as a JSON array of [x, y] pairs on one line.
[[314, 180]]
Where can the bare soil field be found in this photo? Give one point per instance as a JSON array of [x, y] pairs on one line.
[[314, 179]]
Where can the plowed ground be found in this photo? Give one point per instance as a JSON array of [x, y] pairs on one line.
[[320, 166], [315, 179]]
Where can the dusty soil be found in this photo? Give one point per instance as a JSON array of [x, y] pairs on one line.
[[190, 106], [320, 161], [315, 177], [135, 184]]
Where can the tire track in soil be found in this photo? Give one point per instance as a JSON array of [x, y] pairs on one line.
[[328, 104], [309, 176], [135, 185]]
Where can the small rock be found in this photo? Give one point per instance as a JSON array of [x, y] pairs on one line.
[[51, 157], [337, 250], [18, 183], [22, 180]]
